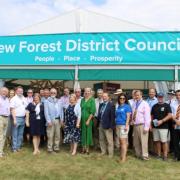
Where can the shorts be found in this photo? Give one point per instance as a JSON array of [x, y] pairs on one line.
[[121, 133], [161, 135]]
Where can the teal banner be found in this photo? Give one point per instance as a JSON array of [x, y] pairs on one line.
[[123, 48]]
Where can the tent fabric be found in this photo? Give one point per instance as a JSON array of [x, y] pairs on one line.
[[49, 74]]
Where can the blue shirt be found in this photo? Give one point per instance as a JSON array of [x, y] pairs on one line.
[[152, 101], [121, 114]]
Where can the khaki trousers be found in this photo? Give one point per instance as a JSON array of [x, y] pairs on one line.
[[53, 134], [140, 141], [3, 130], [106, 141]]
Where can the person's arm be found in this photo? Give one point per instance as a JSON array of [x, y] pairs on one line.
[[168, 117], [13, 112], [147, 118], [78, 114], [92, 111], [112, 116], [27, 118], [46, 113]]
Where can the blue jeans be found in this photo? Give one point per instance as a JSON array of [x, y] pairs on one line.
[[17, 133]]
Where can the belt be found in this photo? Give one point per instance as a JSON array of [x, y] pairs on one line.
[[138, 124], [4, 116], [20, 116]]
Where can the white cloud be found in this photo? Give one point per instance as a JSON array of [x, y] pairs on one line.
[[158, 14]]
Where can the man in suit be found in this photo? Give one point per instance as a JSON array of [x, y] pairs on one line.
[[106, 121]]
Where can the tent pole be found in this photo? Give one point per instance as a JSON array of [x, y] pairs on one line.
[[176, 78]]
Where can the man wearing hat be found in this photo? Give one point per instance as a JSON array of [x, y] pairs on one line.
[[161, 113], [171, 97]]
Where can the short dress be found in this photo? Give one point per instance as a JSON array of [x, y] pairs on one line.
[[37, 126]]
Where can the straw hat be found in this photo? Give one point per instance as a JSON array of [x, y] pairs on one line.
[[118, 91]]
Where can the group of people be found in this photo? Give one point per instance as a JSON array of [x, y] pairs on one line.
[[149, 126]]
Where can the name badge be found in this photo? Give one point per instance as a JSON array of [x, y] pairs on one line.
[[162, 109]]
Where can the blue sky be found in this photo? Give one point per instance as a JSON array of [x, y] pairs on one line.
[[157, 14]]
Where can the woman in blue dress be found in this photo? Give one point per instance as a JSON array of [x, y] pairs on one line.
[[35, 119], [72, 124], [123, 113]]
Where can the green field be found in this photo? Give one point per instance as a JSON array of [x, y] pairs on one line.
[[23, 165]]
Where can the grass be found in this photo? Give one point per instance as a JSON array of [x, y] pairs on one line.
[[62, 166]]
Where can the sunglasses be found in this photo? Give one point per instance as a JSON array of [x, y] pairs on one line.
[[30, 92], [53, 92], [122, 98]]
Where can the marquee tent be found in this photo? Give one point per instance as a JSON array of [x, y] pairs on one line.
[[85, 21]]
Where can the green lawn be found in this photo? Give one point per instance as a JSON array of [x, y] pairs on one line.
[[62, 166]]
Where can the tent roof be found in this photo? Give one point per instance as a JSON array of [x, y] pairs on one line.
[[80, 20]]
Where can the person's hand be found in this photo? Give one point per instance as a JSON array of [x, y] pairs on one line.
[[49, 124], [145, 131], [87, 123], [150, 128], [174, 118], [126, 128], [78, 125], [27, 124], [62, 124], [160, 122], [15, 122], [178, 122]]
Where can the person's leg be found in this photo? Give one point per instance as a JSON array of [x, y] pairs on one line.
[[35, 144], [5, 126], [144, 142], [158, 148], [123, 145], [110, 142], [57, 135], [164, 140], [15, 136], [38, 143], [50, 136], [165, 149], [20, 132], [74, 148], [136, 141], [176, 144], [1, 135], [102, 141]]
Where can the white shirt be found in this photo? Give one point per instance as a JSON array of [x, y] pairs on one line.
[[77, 111], [174, 106], [131, 102], [19, 104], [97, 102]]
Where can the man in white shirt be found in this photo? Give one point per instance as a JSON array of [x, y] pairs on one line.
[[18, 106], [77, 92]]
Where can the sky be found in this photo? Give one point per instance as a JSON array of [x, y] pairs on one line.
[[156, 14]]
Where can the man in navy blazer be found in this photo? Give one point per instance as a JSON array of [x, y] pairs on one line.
[[106, 121]]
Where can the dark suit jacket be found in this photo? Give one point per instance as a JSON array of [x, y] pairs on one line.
[[108, 117]]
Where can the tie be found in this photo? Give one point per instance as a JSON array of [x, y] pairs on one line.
[[178, 112], [102, 109]]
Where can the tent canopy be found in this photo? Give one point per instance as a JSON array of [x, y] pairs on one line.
[[78, 21]]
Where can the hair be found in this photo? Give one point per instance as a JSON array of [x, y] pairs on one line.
[[66, 88], [53, 89], [77, 89], [99, 90], [177, 91], [138, 91], [37, 95], [18, 87], [73, 95], [126, 99], [152, 89]]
